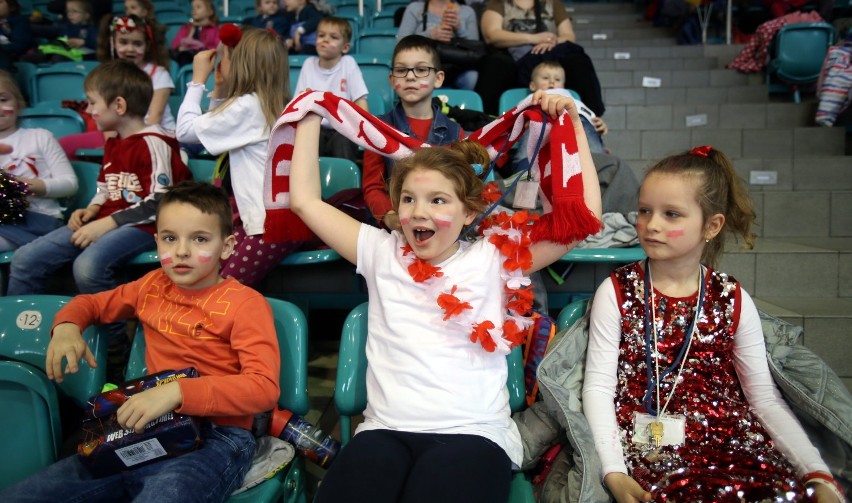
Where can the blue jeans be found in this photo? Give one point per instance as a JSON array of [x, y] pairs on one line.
[[209, 474], [95, 267], [33, 226]]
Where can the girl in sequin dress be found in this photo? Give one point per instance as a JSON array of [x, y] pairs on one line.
[[682, 405]]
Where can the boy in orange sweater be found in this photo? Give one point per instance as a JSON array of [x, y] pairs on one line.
[[192, 317]]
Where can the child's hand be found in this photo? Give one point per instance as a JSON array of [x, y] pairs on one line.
[[824, 494], [297, 41], [544, 37], [391, 221], [600, 126], [625, 489], [91, 232], [67, 342], [554, 104], [202, 65], [289, 43], [76, 43], [80, 217], [142, 408]]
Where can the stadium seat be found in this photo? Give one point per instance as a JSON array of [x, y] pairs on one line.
[[184, 76], [51, 116], [587, 255], [291, 327], [796, 55], [60, 83], [30, 430], [87, 184], [569, 314], [377, 41], [202, 169], [462, 98], [511, 97], [384, 19], [376, 70], [350, 390]]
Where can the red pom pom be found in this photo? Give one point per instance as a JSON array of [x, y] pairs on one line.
[[230, 34]]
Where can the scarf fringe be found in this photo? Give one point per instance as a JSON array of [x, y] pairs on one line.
[[569, 221]]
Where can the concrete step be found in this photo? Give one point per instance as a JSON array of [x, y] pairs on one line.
[[778, 267], [737, 143], [680, 95], [654, 64], [639, 33], [643, 51], [725, 53], [804, 214], [827, 324], [717, 116], [619, 42], [680, 78]]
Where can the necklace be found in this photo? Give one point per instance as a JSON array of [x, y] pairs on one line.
[[656, 427], [510, 235]]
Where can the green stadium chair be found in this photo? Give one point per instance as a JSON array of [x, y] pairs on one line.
[[51, 116], [350, 389], [796, 55], [291, 328]]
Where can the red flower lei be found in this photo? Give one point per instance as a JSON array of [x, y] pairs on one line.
[[510, 234]]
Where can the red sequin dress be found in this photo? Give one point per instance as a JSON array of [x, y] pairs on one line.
[[727, 456]]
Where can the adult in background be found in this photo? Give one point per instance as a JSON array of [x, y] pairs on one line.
[[532, 31], [443, 21]]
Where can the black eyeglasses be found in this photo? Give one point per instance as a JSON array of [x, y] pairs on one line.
[[419, 71]]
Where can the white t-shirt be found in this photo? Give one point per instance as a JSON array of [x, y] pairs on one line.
[[424, 374], [161, 79], [37, 154], [344, 79], [749, 355], [241, 130]]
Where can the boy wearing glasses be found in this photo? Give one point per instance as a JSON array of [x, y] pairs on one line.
[[415, 73]]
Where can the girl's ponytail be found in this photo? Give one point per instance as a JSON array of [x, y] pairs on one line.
[[719, 191]]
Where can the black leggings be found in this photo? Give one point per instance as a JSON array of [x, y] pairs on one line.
[[385, 466]]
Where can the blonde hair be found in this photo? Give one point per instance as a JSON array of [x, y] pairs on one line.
[[7, 81], [454, 162], [719, 191], [259, 65]]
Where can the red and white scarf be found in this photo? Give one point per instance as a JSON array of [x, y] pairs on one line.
[[556, 167]]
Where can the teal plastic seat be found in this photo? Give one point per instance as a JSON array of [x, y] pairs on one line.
[[51, 116], [202, 169], [184, 76], [87, 185], [350, 388], [30, 428], [797, 53], [612, 255], [569, 314], [462, 98], [62, 83], [335, 175], [384, 19], [291, 327], [379, 41], [376, 69]]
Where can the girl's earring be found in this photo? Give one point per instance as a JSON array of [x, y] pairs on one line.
[[706, 240]]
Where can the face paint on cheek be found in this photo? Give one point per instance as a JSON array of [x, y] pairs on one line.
[[424, 84], [675, 233], [404, 220], [205, 256], [640, 227], [443, 221], [397, 85], [166, 258], [7, 111]]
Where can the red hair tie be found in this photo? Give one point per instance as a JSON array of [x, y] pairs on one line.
[[230, 34], [702, 151]]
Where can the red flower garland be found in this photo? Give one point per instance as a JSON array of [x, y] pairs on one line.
[[510, 235]]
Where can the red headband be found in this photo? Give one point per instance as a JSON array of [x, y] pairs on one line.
[[230, 34]]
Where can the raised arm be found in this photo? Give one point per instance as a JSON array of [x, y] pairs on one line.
[[546, 252], [335, 228]]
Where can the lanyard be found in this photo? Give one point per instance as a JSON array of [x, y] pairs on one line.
[[654, 377]]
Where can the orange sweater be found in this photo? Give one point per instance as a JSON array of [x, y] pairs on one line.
[[226, 332]]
